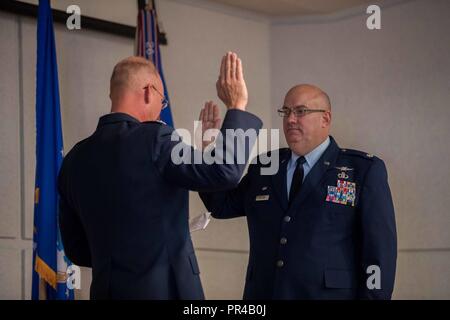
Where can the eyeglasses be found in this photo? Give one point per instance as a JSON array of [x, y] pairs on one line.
[[298, 111], [164, 100]]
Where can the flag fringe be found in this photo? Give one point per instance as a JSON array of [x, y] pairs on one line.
[[45, 272]]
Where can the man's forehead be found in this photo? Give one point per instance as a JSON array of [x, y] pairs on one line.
[[299, 97]]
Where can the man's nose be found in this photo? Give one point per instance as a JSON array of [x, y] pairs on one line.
[[291, 118]]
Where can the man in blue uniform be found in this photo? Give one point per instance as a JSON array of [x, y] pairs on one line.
[[323, 226], [124, 202]]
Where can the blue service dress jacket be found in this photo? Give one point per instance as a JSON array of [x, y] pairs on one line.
[[124, 207], [329, 242]]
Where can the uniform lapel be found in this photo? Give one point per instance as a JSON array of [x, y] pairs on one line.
[[279, 180]]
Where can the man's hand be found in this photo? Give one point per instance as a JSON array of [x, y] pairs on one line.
[[231, 88], [210, 119]]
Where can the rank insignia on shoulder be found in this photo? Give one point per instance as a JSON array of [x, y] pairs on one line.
[[343, 193], [263, 197]]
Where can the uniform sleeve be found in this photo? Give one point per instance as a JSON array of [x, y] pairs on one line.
[[378, 235], [227, 204], [191, 171], [73, 236]]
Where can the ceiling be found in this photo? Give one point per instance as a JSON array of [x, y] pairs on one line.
[[279, 8]]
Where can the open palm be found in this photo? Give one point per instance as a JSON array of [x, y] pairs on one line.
[[210, 119]]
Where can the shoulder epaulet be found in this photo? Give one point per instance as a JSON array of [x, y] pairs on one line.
[[74, 148], [357, 153], [281, 152], [284, 150], [268, 154], [79, 143]]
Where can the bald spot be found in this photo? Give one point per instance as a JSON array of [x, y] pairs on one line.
[[131, 74], [310, 94]]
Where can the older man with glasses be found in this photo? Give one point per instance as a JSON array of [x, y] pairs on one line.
[[323, 226]]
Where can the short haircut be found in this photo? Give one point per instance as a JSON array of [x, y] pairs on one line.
[[128, 72]]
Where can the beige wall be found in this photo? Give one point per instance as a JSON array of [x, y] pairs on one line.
[[389, 88], [390, 91]]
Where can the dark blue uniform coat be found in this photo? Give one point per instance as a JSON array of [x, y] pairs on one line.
[[124, 207], [316, 249]]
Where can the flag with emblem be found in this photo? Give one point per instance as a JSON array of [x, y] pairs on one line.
[[49, 261], [147, 46]]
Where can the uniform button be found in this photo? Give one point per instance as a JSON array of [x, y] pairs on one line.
[[283, 240], [280, 263], [287, 219]]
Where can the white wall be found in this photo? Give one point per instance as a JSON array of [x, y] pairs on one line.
[[10, 152], [390, 91]]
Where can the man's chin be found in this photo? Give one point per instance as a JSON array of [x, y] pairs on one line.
[[293, 141], [293, 138]]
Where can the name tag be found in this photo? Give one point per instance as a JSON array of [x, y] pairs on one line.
[[263, 197]]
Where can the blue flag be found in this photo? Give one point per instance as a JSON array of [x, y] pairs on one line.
[[49, 261], [147, 46]]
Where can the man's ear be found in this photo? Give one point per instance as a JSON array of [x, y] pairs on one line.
[[326, 118], [147, 95]]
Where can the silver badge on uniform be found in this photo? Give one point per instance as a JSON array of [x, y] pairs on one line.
[[263, 197]]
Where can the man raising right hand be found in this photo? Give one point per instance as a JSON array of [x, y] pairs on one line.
[[124, 202]]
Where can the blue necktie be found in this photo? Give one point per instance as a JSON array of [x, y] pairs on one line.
[[297, 179]]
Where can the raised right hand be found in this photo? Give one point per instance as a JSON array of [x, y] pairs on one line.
[[231, 87]]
